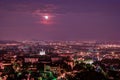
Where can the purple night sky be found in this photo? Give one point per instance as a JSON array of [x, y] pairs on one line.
[[66, 19]]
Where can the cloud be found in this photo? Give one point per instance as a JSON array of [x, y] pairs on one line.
[[46, 9], [50, 10]]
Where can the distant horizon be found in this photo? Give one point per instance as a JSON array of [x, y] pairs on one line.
[[66, 40]]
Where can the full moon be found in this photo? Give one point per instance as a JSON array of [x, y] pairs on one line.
[[46, 17]]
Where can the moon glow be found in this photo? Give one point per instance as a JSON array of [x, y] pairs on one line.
[[46, 17]]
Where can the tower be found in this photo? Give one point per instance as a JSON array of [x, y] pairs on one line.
[[42, 52]]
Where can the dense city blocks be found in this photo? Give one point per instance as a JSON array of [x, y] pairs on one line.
[[59, 60]]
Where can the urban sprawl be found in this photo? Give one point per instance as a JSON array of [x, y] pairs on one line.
[[59, 60]]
